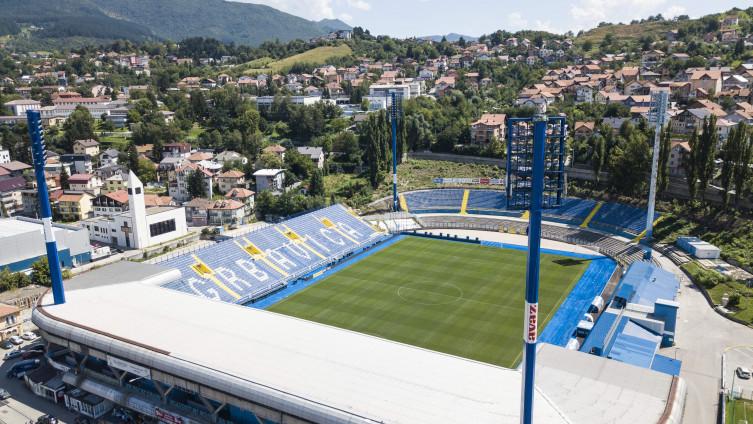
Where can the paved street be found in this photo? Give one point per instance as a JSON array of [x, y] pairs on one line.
[[702, 335], [23, 405], [741, 356]]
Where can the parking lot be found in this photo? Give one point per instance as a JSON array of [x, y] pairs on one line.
[[739, 357], [23, 405]]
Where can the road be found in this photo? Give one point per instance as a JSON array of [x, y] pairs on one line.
[[702, 336], [23, 404]]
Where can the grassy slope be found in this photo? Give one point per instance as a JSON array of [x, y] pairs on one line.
[[413, 174], [623, 32], [316, 56], [409, 293]]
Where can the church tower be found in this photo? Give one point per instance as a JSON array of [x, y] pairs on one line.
[[137, 210]]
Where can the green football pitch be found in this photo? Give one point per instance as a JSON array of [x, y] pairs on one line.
[[459, 298]]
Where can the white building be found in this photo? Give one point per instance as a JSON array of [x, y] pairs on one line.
[[178, 188], [20, 106], [138, 227], [270, 179], [266, 101], [4, 156], [384, 90], [316, 154]]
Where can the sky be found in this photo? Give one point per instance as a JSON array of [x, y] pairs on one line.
[[406, 18]]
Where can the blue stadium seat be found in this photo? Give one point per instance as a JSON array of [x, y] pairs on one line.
[[427, 201], [286, 251], [487, 199], [572, 210], [617, 216]]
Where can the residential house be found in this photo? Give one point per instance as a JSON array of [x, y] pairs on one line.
[[583, 130], [175, 150], [115, 183], [689, 120], [74, 206], [316, 154], [11, 197], [178, 188], [86, 147], [196, 211], [270, 179], [109, 157], [678, 154], [244, 196], [4, 156], [229, 156], [230, 179], [15, 168], [707, 80], [10, 321], [226, 212], [108, 204], [78, 164], [277, 150], [651, 58], [487, 128], [85, 182]]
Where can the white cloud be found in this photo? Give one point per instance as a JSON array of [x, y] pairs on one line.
[[674, 11], [345, 17], [359, 4]]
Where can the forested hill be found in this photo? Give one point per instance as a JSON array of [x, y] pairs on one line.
[[106, 20]]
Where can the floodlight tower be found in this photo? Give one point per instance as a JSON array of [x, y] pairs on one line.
[[657, 116], [395, 111], [34, 119], [535, 180]]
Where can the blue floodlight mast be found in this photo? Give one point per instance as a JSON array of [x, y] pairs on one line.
[[394, 112], [38, 152], [532, 269]]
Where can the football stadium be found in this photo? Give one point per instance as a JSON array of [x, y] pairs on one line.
[[407, 317]]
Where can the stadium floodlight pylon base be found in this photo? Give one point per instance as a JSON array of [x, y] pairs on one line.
[[535, 180]]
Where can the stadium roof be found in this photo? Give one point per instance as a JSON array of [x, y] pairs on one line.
[[327, 374], [644, 284]]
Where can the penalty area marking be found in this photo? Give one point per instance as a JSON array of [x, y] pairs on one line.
[[430, 294]]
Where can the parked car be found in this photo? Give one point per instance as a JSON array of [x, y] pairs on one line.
[[13, 354], [29, 336], [47, 419], [4, 394], [743, 373], [16, 340], [6, 344]]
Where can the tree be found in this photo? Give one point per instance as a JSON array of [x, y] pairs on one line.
[[316, 184], [665, 148], [691, 169], [40, 273], [147, 171], [728, 155], [78, 126], [742, 171], [196, 185], [707, 154], [629, 167], [598, 155], [64, 178], [133, 158]]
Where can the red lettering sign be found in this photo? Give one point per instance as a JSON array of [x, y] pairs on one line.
[[532, 322]]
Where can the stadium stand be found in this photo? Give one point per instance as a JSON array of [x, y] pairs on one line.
[[244, 268], [622, 252], [435, 201], [611, 217], [620, 218]]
